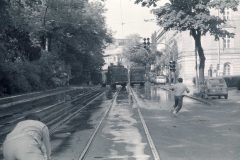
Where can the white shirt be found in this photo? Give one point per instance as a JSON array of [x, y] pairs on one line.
[[33, 128], [179, 89]]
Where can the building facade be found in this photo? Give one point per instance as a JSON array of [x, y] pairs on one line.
[[222, 57], [113, 53]]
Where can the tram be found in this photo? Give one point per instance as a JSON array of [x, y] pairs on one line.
[[137, 75], [117, 75]]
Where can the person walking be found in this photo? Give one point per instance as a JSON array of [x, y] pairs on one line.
[[179, 90], [29, 140]]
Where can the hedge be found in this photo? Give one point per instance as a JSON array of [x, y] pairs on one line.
[[232, 81]]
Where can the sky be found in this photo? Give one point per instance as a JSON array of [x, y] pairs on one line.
[[126, 18]]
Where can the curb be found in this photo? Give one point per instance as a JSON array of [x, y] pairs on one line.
[[200, 100]]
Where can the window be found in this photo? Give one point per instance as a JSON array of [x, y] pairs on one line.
[[216, 81], [226, 14], [226, 42], [226, 69]]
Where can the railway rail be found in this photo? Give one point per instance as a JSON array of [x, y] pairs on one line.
[[154, 151], [96, 130], [53, 113], [58, 114], [133, 98]]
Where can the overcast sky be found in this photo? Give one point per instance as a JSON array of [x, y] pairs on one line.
[[125, 18]]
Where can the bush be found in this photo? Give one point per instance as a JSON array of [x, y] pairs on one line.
[[238, 86], [232, 81]]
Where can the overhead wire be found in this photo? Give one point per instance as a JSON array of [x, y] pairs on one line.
[[121, 17]]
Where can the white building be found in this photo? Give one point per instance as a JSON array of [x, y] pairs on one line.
[[113, 53], [225, 52]]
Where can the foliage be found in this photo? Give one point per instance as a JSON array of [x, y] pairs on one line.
[[136, 53], [81, 36], [193, 16], [17, 45], [43, 44]]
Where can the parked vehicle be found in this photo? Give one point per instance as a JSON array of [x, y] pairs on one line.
[[214, 86], [152, 79], [160, 80], [117, 75], [137, 75]]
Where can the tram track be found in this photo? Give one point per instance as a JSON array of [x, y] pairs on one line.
[[72, 113], [134, 100], [96, 130], [54, 114], [57, 115], [68, 112], [153, 149]]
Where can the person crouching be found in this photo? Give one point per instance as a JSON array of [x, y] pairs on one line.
[[29, 140]]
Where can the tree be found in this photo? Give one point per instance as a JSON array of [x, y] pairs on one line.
[[45, 42], [193, 16], [135, 52], [81, 35]]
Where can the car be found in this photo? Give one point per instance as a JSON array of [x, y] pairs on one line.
[[214, 87], [151, 78], [160, 80]]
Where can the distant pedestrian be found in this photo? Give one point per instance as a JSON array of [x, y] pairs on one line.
[[179, 90], [29, 140]]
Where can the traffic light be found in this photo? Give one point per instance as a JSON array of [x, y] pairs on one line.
[[218, 66], [172, 66], [146, 42]]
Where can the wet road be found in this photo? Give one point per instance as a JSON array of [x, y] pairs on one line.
[[199, 132], [121, 136]]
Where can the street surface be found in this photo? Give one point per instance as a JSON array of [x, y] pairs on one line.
[[199, 132]]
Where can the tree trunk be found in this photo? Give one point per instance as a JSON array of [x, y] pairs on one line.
[[197, 38]]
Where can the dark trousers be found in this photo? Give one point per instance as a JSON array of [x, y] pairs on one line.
[[178, 103]]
